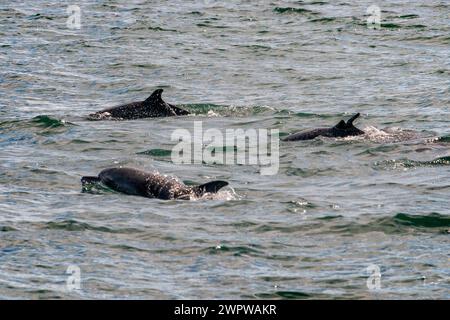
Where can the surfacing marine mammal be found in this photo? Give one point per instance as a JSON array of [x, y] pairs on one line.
[[341, 130], [153, 106], [151, 185]]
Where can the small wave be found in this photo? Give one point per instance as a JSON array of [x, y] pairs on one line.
[[236, 251], [323, 20], [392, 25], [313, 3], [389, 25], [39, 16], [8, 124], [409, 16], [18, 131], [310, 115], [156, 152], [299, 205], [283, 10], [399, 224], [433, 220], [73, 225], [159, 29], [310, 172], [407, 163], [284, 295], [7, 229], [41, 121], [48, 122], [442, 71]]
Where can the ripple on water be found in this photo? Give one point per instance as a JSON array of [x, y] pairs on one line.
[[410, 164], [74, 225], [401, 223]]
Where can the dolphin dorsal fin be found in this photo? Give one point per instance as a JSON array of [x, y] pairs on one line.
[[154, 97], [341, 125], [210, 187], [350, 121]]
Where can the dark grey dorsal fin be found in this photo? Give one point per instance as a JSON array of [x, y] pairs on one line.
[[350, 121], [160, 107], [155, 97], [341, 125], [210, 187]]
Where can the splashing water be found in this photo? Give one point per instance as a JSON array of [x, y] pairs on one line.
[[389, 135], [225, 194]]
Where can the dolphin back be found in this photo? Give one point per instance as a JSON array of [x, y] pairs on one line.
[[126, 180], [308, 135], [152, 107], [340, 130]]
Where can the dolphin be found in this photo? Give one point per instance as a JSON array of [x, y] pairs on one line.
[[341, 130], [153, 106], [151, 185]]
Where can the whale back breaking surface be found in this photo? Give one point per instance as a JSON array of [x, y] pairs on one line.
[[153, 106]]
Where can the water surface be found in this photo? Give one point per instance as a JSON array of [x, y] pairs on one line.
[[334, 208]]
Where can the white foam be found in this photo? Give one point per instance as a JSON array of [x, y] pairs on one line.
[[227, 194], [387, 135]]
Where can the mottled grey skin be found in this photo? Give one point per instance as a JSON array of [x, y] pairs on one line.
[[341, 130], [153, 107], [151, 185]]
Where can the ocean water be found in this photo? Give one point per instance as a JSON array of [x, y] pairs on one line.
[[336, 210]]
